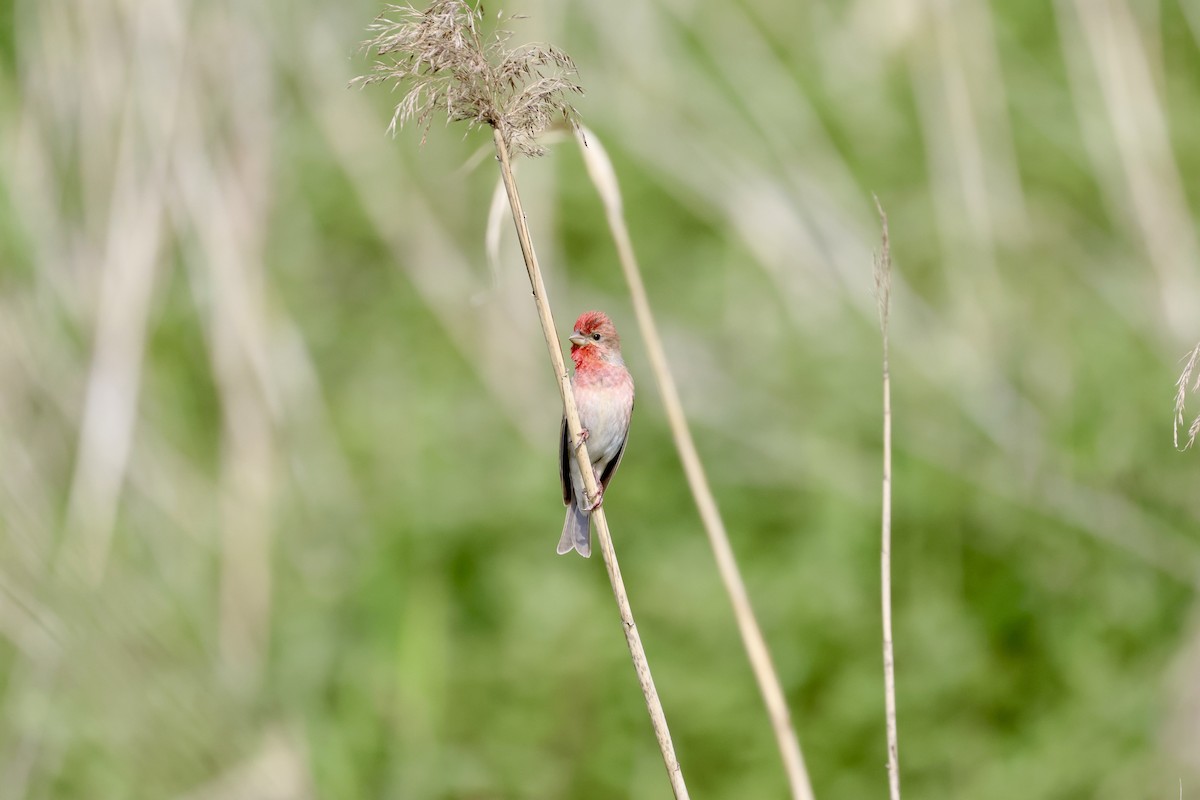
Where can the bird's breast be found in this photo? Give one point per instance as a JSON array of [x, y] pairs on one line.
[[605, 401]]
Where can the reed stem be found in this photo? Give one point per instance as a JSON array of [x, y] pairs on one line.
[[657, 718]]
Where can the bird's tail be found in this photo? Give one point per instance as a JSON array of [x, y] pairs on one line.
[[577, 530]]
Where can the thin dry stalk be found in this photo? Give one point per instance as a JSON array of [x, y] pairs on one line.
[[883, 295], [604, 178], [1181, 391], [439, 51]]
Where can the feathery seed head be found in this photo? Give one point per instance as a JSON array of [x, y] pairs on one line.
[[441, 55], [1188, 380]]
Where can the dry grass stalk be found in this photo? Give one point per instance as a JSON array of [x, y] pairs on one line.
[[605, 179], [440, 52], [1181, 391], [883, 296]]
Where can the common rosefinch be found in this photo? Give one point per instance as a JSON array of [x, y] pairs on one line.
[[603, 391]]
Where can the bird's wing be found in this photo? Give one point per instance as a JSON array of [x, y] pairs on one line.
[[615, 461], [564, 464]]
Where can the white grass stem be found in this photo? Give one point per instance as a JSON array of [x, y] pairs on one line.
[[604, 177], [883, 291]]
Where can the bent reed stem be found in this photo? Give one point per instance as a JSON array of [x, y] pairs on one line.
[[653, 705], [604, 178]]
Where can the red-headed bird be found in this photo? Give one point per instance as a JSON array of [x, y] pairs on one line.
[[603, 391]]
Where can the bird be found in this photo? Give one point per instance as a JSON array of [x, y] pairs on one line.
[[603, 390]]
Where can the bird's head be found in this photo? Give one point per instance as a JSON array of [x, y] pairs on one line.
[[595, 337]]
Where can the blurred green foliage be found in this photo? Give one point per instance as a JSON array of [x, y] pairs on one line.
[[328, 570]]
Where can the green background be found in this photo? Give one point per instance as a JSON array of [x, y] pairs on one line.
[[278, 490]]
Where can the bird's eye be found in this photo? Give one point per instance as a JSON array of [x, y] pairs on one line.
[[596, 336]]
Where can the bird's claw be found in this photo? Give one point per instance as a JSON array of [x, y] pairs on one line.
[[595, 503], [583, 437]]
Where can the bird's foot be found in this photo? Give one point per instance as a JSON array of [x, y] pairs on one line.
[[595, 503], [583, 437]]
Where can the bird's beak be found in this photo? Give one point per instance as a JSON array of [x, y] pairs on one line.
[[578, 338]]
